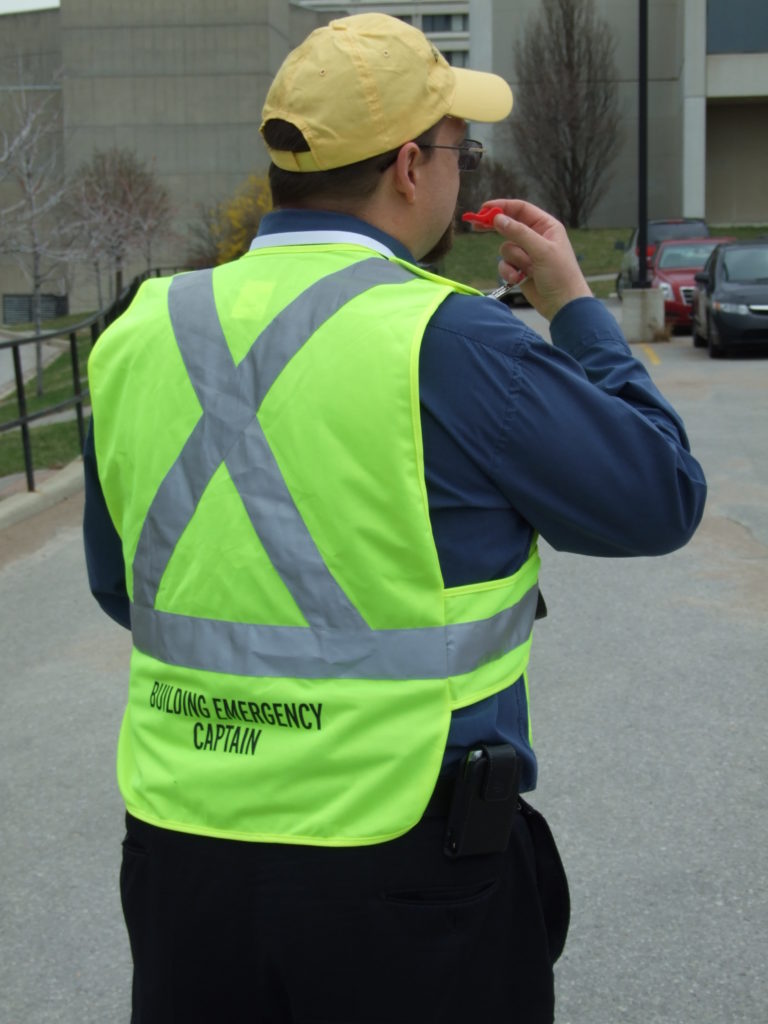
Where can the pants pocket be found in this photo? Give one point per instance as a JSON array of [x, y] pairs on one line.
[[441, 896]]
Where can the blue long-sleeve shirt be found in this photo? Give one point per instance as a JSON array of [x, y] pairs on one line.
[[571, 440]]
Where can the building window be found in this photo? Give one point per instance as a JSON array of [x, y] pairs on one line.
[[445, 23], [436, 23], [457, 58], [405, 17]]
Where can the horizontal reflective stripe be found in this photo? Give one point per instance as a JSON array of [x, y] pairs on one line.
[[236, 648]]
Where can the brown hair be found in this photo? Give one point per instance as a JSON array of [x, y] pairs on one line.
[[351, 183]]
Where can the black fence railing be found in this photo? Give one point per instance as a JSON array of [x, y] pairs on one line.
[[94, 324]]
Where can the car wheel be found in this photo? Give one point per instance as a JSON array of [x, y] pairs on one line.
[[716, 347]]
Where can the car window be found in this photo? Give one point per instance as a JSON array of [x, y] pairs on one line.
[[745, 265], [679, 229], [685, 256]]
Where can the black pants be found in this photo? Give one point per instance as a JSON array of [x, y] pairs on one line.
[[228, 932]]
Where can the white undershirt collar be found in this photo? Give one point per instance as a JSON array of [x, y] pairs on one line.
[[320, 238]]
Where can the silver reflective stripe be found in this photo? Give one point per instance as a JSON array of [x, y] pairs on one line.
[[228, 431], [284, 536], [296, 652], [338, 642]]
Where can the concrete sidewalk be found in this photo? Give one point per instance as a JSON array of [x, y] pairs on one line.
[[52, 486]]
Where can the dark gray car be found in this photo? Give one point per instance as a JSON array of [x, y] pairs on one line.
[[730, 306]]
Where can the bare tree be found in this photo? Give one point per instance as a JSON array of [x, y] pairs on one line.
[[566, 120], [119, 208], [204, 236], [152, 217], [31, 160]]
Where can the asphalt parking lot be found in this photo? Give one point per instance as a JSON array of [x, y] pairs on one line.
[[649, 709]]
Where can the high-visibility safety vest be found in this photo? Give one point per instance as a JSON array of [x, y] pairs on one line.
[[296, 657]]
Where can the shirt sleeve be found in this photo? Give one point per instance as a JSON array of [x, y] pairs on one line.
[[574, 435], [103, 548]]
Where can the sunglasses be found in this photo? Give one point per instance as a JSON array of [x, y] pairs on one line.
[[470, 153]]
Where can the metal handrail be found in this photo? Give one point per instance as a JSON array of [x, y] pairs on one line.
[[97, 322]]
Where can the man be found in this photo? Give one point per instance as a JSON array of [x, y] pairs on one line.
[[318, 477]]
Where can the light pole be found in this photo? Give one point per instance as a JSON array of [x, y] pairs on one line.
[[643, 306], [642, 146]]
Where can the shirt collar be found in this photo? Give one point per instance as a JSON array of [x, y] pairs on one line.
[[303, 224]]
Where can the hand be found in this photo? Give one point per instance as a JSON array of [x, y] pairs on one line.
[[538, 255]]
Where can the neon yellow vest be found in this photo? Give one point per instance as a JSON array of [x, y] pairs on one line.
[[296, 658]]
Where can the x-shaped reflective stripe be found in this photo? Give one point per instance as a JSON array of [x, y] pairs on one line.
[[339, 643], [229, 432]]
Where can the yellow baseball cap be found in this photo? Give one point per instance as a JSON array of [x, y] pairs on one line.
[[366, 84]]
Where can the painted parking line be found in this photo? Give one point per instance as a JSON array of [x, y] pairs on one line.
[[651, 354]]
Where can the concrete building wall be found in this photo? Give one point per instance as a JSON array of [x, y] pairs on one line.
[[664, 145], [735, 147], [180, 82], [35, 37], [496, 26], [682, 80]]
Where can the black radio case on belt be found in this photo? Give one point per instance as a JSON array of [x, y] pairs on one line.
[[484, 802]]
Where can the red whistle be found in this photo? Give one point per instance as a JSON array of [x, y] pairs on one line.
[[484, 217]]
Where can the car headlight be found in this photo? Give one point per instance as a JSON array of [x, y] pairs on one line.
[[731, 307], [666, 291]]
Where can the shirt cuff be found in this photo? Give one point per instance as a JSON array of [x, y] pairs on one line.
[[581, 323]]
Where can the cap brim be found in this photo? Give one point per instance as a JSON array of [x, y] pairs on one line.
[[480, 96]]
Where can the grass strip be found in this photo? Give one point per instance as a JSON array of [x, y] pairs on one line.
[[475, 255], [53, 447]]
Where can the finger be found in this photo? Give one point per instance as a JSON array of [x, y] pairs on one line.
[[526, 213], [516, 256], [524, 237], [511, 274]]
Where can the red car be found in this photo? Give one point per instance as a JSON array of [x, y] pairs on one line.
[[674, 264]]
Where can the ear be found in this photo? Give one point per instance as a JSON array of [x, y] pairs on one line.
[[405, 171]]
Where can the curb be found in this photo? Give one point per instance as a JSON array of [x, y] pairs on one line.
[[61, 485]]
